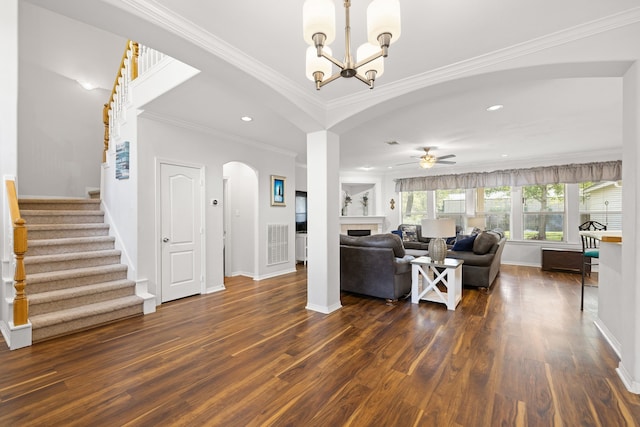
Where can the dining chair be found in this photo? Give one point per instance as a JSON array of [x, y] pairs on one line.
[[590, 250]]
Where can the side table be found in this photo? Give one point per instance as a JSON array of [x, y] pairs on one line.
[[447, 273]]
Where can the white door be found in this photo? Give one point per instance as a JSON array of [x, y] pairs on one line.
[[181, 223]]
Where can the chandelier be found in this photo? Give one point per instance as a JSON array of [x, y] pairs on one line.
[[383, 28]]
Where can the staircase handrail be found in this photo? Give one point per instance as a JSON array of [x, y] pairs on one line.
[[129, 62], [20, 301]]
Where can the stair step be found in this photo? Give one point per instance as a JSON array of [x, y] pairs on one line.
[[75, 319], [62, 216], [94, 194], [59, 204], [54, 231], [62, 299], [69, 245], [68, 261], [63, 279]]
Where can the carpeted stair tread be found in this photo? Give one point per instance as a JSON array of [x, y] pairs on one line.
[[48, 227], [69, 241], [61, 294], [49, 319], [74, 273], [50, 212], [59, 204], [70, 256]]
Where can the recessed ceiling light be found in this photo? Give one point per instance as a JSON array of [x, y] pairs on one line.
[[505, 155], [367, 168], [246, 118], [495, 107]]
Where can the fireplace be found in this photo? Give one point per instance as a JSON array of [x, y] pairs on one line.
[[358, 233]]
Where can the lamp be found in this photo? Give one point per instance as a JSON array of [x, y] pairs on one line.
[[436, 229], [477, 222], [318, 24]]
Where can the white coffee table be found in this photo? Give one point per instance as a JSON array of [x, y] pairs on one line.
[[448, 273]]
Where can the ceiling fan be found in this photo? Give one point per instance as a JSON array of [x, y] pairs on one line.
[[428, 160]]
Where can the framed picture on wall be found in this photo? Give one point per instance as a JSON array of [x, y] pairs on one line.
[[277, 190]]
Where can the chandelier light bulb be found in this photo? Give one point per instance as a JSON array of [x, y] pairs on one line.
[[383, 17], [317, 63], [319, 17]]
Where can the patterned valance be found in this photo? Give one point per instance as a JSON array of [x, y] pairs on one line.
[[565, 174]]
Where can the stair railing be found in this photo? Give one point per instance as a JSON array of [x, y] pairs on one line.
[[112, 110], [20, 302], [136, 61]]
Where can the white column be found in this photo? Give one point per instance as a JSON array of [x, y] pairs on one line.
[[629, 367], [323, 268], [8, 103]]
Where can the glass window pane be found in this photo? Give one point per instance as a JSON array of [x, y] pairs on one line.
[[451, 204], [602, 202], [543, 216], [414, 206], [493, 206]]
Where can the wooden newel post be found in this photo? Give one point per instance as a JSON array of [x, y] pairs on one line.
[[105, 120], [20, 302]]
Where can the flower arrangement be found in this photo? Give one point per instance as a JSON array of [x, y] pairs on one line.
[[365, 203], [345, 203]]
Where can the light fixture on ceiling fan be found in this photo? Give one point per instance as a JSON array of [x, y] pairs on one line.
[[383, 28], [428, 160]]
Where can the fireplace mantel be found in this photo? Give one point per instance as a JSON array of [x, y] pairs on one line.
[[371, 222]]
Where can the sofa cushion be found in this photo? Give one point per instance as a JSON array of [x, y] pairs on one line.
[[484, 242], [465, 244], [376, 241], [409, 233]]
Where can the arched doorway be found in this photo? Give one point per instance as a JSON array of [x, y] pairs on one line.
[[240, 219]]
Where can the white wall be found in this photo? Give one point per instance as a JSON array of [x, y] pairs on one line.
[[158, 140], [241, 200], [60, 124]]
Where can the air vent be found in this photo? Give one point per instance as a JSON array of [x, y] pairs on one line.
[[392, 142], [277, 243]]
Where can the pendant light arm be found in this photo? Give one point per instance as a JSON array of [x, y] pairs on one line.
[[369, 59], [332, 59]]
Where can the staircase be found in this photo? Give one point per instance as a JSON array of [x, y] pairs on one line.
[[75, 279]]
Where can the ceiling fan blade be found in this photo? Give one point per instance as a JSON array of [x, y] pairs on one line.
[[409, 163], [445, 162], [448, 156]]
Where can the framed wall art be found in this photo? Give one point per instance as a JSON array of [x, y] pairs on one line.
[[277, 190]]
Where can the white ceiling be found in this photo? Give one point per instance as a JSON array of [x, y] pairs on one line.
[[555, 66]]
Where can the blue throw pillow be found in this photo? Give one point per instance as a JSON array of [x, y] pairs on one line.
[[464, 244]]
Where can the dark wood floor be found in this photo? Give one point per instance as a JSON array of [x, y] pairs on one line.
[[521, 355]]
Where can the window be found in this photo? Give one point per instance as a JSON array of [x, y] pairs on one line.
[[451, 204], [414, 206], [494, 206], [602, 202], [543, 212]]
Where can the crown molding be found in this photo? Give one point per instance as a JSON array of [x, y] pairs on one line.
[[158, 14], [355, 103], [184, 124], [335, 111]]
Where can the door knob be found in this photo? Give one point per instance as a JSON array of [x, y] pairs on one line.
[[166, 239]]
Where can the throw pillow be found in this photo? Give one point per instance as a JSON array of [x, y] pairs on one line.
[[409, 233], [465, 245], [484, 242]]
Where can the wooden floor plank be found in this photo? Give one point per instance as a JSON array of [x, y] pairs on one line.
[[522, 354]]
